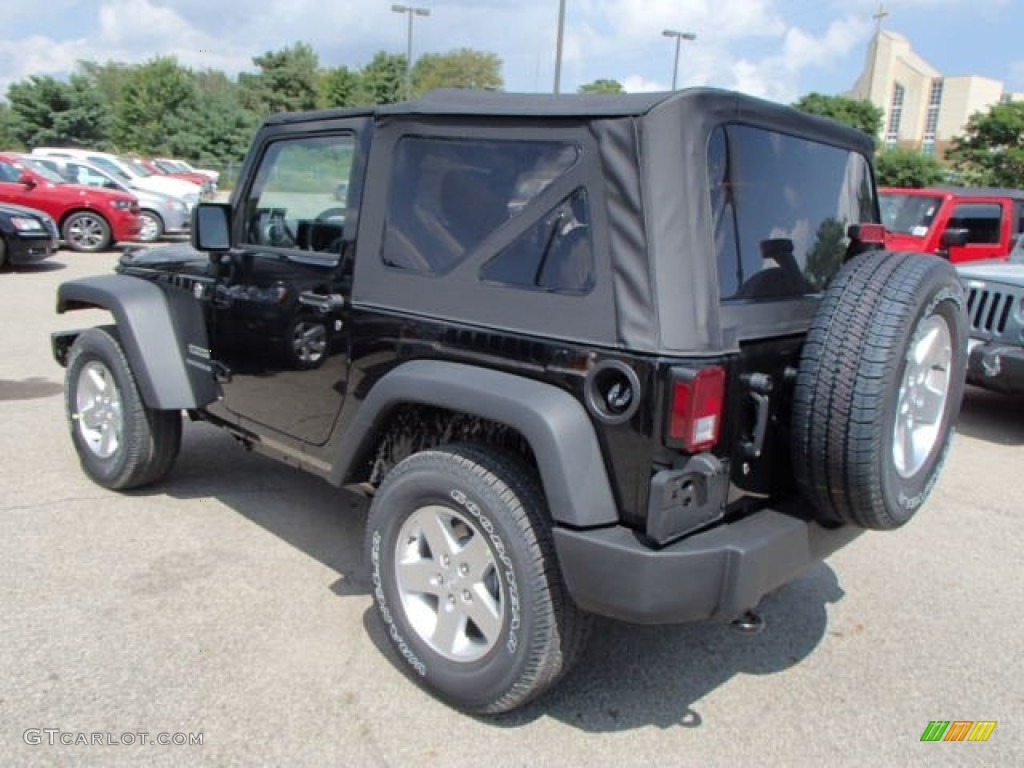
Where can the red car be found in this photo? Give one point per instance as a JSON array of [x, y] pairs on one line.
[[962, 224], [90, 219]]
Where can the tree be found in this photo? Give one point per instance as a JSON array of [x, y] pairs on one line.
[[991, 152], [47, 111], [908, 168], [853, 112], [216, 129], [7, 136], [461, 68], [286, 82], [154, 97], [602, 86], [382, 81], [107, 79], [338, 87]]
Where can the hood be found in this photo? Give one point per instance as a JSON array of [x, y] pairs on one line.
[[993, 272], [176, 255], [24, 210], [898, 241]]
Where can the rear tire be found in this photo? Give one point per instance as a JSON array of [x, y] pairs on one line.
[[880, 382], [121, 442], [465, 579]]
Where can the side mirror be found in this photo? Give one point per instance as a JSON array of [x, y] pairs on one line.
[[27, 181], [211, 227], [953, 237]]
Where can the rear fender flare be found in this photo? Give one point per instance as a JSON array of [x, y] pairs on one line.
[[555, 424]]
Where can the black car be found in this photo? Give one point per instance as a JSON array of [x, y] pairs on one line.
[[639, 356], [26, 235]]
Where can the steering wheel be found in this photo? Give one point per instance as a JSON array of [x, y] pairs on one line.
[[329, 223], [275, 231]]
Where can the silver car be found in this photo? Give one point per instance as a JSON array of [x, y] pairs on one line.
[[160, 214]]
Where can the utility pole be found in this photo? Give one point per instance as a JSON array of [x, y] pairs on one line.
[[558, 46], [679, 36], [410, 12]]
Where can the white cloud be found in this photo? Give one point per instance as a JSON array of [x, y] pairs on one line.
[[640, 84], [778, 76], [766, 47]]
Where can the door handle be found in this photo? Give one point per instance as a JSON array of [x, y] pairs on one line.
[[324, 303]]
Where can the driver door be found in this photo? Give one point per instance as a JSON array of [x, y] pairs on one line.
[[278, 327]]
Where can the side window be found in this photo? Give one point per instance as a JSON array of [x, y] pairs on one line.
[[781, 207], [554, 255], [448, 196], [299, 198], [8, 172], [981, 220]]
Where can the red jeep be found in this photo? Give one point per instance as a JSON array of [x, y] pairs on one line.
[[960, 223]]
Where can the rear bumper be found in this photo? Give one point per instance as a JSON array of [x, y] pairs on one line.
[[717, 574], [996, 366]]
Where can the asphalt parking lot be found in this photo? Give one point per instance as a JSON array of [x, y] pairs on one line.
[[229, 601]]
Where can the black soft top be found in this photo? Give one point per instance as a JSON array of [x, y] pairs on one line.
[[645, 161], [726, 105]]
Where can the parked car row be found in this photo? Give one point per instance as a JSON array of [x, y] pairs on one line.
[[91, 200]]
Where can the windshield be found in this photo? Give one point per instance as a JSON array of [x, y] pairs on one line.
[[138, 167], [166, 166], [909, 214], [107, 165], [43, 170]]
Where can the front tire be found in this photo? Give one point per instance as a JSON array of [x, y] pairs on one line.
[[465, 579], [121, 443], [86, 232]]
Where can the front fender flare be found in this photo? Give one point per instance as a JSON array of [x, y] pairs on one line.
[[555, 425], [152, 334]]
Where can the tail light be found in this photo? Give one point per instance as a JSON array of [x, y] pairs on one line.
[[696, 405], [869, 234]]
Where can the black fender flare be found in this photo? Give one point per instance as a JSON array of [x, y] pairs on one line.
[[151, 332], [554, 423]]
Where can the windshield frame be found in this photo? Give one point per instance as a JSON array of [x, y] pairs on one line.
[[923, 219]]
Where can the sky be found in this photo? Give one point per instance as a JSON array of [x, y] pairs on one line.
[[777, 49]]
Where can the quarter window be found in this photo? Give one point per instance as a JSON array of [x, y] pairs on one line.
[[448, 196], [299, 198], [554, 255]]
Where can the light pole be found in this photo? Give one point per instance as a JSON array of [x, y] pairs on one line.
[[558, 46], [410, 11], [679, 36]]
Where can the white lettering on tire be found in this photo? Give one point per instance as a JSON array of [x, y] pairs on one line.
[[499, 549], [378, 590]]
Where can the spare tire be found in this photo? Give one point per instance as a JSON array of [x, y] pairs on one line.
[[878, 389]]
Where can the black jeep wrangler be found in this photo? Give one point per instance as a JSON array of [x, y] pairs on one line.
[[639, 356]]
